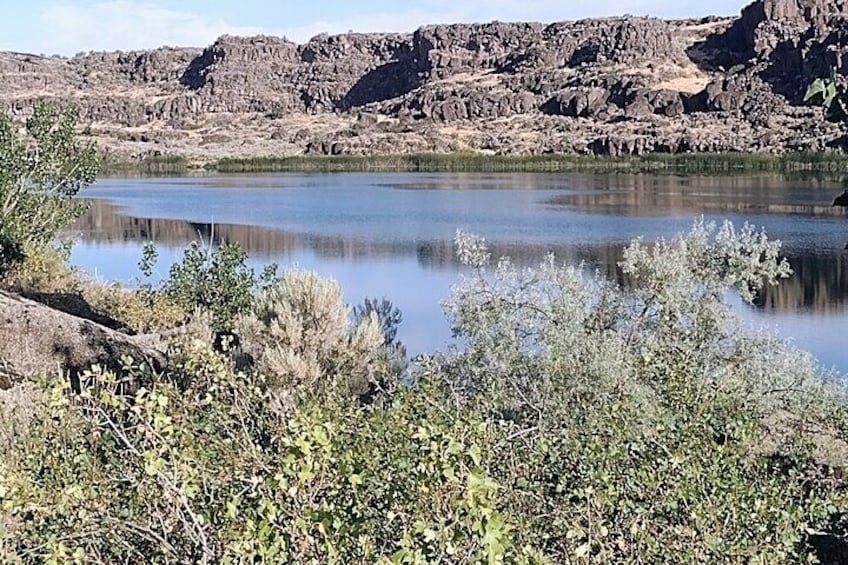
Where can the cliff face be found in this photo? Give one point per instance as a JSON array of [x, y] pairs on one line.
[[606, 86]]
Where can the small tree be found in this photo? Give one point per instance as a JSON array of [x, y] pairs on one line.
[[212, 279], [389, 316], [541, 334], [41, 171]]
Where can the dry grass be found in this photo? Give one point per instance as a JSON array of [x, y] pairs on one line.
[[690, 84], [130, 307], [17, 405], [44, 270]]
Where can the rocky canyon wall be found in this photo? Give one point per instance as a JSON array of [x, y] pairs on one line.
[[612, 86]]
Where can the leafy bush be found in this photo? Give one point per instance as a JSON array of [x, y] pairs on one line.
[[213, 280], [394, 354], [40, 174], [389, 316], [640, 408], [580, 422], [559, 328], [209, 473]]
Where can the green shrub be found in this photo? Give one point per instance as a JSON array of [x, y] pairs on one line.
[[40, 174], [209, 473], [394, 355], [552, 332], [210, 279], [829, 93], [206, 471], [387, 314], [640, 408], [579, 423]]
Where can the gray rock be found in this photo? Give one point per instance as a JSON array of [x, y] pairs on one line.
[[577, 102], [592, 86]]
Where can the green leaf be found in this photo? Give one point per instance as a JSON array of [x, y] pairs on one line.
[[475, 454], [816, 89], [583, 550], [153, 467]]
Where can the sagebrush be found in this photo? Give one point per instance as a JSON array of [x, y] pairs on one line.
[[578, 421]]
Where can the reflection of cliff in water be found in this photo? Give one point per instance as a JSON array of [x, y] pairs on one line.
[[104, 223], [647, 195], [820, 283]]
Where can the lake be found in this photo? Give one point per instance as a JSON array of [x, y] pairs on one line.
[[390, 234]]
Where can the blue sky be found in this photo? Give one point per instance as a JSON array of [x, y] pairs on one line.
[[71, 26]]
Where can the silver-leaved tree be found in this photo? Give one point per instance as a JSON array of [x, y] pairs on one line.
[[43, 166]]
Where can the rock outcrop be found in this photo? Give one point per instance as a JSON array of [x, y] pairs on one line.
[[612, 86], [39, 340]]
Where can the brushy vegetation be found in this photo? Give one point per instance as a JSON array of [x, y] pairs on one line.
[[472, 162], [575, 422], [829, 93], [41, 171], [160, 165], [302, 331], [143, 311], [211, 279], [478, 162], [580, 422]]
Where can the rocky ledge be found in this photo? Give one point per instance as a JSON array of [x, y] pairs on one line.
[[613, 86]]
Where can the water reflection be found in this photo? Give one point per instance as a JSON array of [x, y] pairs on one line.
[[645, 195], [390, 234], [105, 223], [819, 285]]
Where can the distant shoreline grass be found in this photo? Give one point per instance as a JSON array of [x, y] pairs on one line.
[[686, 164]]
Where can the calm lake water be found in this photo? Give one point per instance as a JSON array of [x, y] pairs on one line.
[[391, 234]]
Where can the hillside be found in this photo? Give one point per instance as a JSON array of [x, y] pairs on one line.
[[613, 86]]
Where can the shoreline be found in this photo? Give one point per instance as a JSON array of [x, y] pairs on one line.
[[682, 164]]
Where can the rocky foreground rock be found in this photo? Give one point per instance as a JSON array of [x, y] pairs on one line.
[[36, 339], [612, 86]]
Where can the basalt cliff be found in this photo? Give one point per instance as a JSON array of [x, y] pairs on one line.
[[614, 86]]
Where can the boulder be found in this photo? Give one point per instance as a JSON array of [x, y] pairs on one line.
[[577, 102], [38, 340], [664, 101], [639, 108]]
